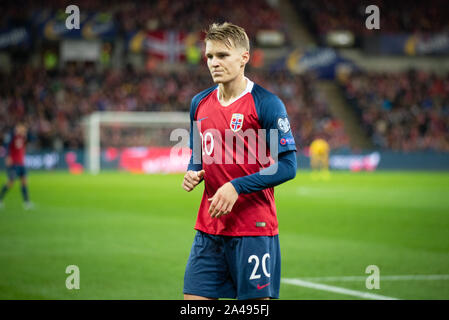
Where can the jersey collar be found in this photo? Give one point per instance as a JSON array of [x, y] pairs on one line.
[[249, 88]]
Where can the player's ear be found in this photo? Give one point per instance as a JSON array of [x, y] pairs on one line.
[[245, 58]]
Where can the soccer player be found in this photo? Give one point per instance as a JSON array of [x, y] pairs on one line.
[[235, 252], [319, 158], [15, 164]]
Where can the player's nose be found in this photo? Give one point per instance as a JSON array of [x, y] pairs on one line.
[[214, 62]]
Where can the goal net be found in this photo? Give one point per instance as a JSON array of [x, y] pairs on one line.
[[142, 142]]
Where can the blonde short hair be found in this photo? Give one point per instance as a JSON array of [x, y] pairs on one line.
[[230, 34]]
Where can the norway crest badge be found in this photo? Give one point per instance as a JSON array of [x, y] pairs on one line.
[[236, 122]]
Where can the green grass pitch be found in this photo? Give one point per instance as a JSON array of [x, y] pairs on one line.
[[130, 235]]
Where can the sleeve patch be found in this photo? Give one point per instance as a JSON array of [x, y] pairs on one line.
[[283, 124], [288, 140]]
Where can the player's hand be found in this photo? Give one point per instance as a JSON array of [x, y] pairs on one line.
[[223, 200], [8, 161], [191, 179]]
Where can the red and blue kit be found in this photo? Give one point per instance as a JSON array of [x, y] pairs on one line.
[[16, 150], [232, 142]]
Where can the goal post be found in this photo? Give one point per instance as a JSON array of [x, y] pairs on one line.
[[94, 122]]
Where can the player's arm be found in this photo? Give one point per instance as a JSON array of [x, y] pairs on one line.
[[279, 172], [284, 169], [7, 141], [195, 172], [272, 116]]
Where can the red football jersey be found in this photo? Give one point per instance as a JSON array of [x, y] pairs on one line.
[[16, 150], [253, 214]]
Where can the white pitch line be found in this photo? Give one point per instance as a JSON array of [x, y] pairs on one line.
[[325, 287], [424, 277]]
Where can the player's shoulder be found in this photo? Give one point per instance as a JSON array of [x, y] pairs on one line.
[[201, 95], [198, 98], [268, 104], [264, 98]]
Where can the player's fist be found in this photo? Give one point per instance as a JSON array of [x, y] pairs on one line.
[[191, 179], [223, 200]]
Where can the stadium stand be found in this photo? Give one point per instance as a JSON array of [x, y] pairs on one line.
[[402, 111], [187, 16], [54, 104], [54, 100], [406, 111], [323, 16]]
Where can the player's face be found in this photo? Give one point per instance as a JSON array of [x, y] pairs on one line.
[[225, 63], [20, 130]]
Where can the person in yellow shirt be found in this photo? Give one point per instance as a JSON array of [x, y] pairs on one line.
[[319, 158]]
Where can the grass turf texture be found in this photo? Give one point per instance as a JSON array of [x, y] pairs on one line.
[[130, 235]]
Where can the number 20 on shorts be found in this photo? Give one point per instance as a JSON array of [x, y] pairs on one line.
[[255, 258]]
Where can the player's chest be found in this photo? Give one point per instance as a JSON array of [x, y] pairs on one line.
[[18, 143], [238, 116]]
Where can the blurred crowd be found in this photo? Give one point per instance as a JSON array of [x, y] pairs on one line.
[[187, 16], [400, 16], [307, 107], [253, 15], [404, 111], [53, 104], [400, 111]]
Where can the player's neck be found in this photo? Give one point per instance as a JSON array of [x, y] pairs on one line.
[[230, 90]]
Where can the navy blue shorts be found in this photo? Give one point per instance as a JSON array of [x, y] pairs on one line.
[[16, 171], [233, 267]]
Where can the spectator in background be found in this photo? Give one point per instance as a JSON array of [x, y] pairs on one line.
[[54, 104], [402, 111]]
